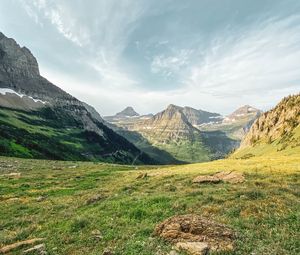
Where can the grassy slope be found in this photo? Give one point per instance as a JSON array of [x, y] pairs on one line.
[[264, 209], [37, 135], [187, 151], [161, 156], [287, 145]]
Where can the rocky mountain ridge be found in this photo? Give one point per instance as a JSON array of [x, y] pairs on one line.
[[276, 123]]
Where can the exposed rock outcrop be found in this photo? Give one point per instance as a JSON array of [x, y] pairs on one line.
[[225, 176], [186, 229], [276, 123]]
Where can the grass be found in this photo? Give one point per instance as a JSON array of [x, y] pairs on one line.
[[68, 202]]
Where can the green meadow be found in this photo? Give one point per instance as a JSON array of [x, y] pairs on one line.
[[85, 208]]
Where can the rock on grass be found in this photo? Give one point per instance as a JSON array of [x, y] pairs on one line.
[[183, 230]]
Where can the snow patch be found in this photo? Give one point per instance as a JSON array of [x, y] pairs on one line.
[[4, 91], [215, 117]]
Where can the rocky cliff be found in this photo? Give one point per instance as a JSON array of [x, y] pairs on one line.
[[275, 124]]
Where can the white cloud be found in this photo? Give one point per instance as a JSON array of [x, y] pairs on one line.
[[61, 17], [265, 57], [254, 64], [171, 64]]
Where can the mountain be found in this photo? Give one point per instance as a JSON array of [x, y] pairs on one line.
[[171, 131], [275, 130], [245, 112], [199, 117], [38, 119], [127, 112], [126, 118], [236, 124]]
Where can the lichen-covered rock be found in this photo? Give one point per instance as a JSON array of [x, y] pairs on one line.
[[206, 178], [230, 176], [225, 176], [194, 228]]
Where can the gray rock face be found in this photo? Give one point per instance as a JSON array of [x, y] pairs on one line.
[[19, 71]]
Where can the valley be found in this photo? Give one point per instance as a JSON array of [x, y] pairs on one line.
[[186, 134], [180, 181]]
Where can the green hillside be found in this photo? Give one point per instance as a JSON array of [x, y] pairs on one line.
[[54, 134], [277, 130], [286, 145]]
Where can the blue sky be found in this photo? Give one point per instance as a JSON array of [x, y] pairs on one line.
[[214, 55]]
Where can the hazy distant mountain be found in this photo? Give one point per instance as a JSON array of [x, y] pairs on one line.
[[245, 112], [126, 118], [127, 112], [275, 130], [38, 119], [236, 124], [171, 131]]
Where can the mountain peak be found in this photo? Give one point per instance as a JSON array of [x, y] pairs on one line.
[[243, 112], [173, 107], [12, 54], [245, 109], [128, 112]]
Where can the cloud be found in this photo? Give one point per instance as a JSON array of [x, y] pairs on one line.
[[260, 58], [149, 54], [169, 65], [61, 17]]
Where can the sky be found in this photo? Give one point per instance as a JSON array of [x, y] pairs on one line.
[[214, 55]]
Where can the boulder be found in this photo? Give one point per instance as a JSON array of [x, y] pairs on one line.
[[225, 176], [194, 228], [230, 177]]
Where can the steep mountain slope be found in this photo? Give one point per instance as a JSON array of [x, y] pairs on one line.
[[171, 131], [35, 113], [274, 131], [159, 155], [235, 125]]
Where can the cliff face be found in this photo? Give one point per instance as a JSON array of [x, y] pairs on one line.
[[275, 124], [19, 71]]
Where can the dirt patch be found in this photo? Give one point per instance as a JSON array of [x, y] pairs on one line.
[[194, 228], [225, 176]]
